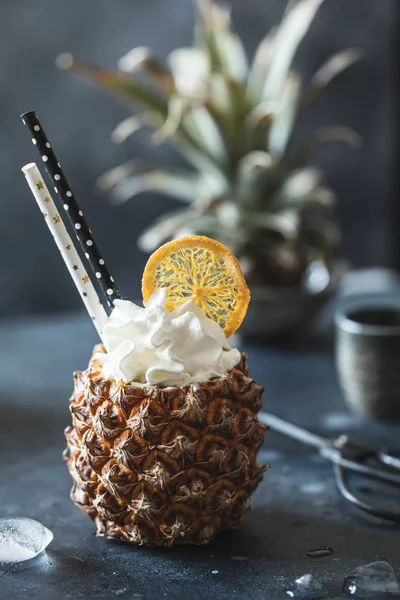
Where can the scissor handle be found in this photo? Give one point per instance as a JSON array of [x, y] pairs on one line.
[[344, 488], [391, 460]]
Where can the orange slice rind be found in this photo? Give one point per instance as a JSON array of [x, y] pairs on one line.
[[201, 269]]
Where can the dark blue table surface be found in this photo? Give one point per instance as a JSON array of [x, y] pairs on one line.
[[296, 508]]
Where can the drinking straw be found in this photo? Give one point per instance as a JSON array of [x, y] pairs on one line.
[[69, 208], [65, 245]]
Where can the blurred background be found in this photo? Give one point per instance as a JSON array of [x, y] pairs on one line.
[[79, 117]]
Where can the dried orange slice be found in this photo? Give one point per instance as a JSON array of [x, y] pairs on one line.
[[201, 269]]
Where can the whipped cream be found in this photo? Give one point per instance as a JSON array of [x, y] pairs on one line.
[[151, 345]]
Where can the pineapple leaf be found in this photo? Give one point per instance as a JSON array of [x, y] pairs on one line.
[[324, 135], [282, 126], [121, 84], [297, 190], [177, 106], [231, 55], [190, 69], [204, 90], [259, 67], [325, 232], [131, 125], [145, 98], [324, 196], [135, 180], [228, 213], [333, 67], [201, 162], [211, 15], [134, 59], [168, 225], [162, 229], [224, 46], [200, 127], [142, 59], [257, 125], [289, 6], [253, 169], [114, 176], [291, 31], [224, 105], [220, 96], [233, 124], [286, 224], [204, 130]]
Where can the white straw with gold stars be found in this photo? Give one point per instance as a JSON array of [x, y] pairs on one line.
[[65, 246]]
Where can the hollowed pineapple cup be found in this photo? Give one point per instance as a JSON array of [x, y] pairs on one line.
[[163, 466]]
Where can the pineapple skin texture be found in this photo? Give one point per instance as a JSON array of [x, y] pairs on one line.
[[159, 466]]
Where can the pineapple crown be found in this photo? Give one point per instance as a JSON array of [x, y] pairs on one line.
[[232, 120]]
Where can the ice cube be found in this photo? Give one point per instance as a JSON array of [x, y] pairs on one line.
[[22, 539], [375, 581], [307, 587]]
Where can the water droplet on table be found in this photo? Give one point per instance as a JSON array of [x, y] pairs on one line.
[[306, 587], [22, 539], [375, 581], [319, 552]]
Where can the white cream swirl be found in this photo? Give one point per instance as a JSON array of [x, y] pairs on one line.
[[154, 346]]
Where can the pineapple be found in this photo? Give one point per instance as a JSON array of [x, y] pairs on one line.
[[162, 466], [249, 187]]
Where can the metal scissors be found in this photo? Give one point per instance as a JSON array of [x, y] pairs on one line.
[[346, 457]]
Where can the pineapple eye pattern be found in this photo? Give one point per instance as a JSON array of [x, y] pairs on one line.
[[198, 274], [178, 464]]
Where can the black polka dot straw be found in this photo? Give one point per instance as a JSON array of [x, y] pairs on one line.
[[69, 208]]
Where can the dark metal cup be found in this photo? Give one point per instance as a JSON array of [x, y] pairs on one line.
[[368, 358]]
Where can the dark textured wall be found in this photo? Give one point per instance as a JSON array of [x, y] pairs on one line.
[[79, 118]]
